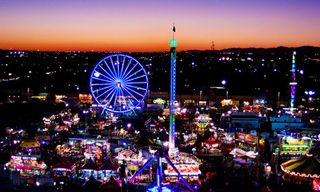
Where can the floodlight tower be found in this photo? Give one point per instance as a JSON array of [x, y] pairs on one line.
[[173, 44], [293, 83]]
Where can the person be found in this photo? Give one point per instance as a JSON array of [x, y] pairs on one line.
[[123, 168]]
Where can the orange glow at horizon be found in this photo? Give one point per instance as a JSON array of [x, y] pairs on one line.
[[146, 26]]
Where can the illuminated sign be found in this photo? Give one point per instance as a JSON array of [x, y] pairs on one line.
[[159, 101]]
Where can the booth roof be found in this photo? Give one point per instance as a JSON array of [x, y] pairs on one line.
[[108, 165], [29, 143], [65, 164], [92, 184], [112, 184], [306, 166], [211, 141]]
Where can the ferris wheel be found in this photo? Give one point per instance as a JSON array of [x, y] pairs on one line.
[[119, 83]]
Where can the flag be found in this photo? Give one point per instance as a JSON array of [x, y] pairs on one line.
[[174, 29]]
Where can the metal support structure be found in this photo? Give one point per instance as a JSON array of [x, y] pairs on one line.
[[158, 157], [159, 173], [179, 175], [147, 164]]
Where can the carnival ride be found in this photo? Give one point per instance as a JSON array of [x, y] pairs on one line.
[[118, 83], [307, 167], [159, 185]]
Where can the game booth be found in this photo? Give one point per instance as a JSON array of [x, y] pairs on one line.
[[26, 166], [201, 123], [211, 145], [245, 151], [187, 165], [127, 155], [84, 147], [30, 147], [227, 142], [67, 151], [294, 146], [61, 127], [71, 119], [133, 160]]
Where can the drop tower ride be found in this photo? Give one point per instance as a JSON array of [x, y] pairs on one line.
[[293, 83], [173, 44]]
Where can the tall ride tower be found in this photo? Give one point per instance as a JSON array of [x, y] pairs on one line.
[[293, 83], [173, 44]]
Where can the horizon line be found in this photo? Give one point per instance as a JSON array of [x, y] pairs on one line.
[[48, 50]]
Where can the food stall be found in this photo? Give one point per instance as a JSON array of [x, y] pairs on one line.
[[27, 166], [187, 165], [245, 151]]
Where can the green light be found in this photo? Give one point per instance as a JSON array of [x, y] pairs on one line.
[[173, 43], [159, 101]]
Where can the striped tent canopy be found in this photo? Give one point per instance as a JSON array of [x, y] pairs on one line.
[[306, 166]]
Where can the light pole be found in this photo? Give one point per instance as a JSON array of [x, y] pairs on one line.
[[223, 83], [278, 99], [85, 113], [309, 94]]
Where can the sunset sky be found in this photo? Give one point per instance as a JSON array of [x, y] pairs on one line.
[[146, 25]]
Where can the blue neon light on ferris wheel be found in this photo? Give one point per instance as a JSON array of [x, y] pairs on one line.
[[119, 83]]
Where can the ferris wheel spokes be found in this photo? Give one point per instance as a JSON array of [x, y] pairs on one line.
[[131, 94], [114, 70], [134, 78], [104, 80], [123, 74], [103, 88], [133, 75], [137, 82], [118, 65], [138, 88], [104, 98], [111, 72], [122, 65], [127, 89], [110, 76], [121, 87]]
